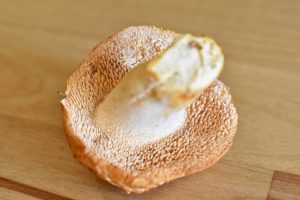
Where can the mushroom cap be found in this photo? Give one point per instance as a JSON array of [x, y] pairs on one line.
[[205, 137]]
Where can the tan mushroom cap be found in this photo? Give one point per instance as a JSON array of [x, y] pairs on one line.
[[205, 137]]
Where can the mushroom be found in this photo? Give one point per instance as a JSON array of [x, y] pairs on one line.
[[146, 107]]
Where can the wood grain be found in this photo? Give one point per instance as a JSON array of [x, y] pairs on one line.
[[41, 43], [285, 186], [6, 194]]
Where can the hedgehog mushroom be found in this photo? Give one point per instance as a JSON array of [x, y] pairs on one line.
[[146, 107]]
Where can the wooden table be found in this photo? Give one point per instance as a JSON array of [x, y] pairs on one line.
[[41, 43]]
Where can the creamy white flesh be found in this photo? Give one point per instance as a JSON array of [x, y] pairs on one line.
[[149, 102]]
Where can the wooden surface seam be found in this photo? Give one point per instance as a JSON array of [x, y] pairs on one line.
[[33, 191], [268, 197]]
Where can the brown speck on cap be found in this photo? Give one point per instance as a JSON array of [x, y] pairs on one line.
[[195, 45]]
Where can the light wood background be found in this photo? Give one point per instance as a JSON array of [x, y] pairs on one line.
[[42, 42]]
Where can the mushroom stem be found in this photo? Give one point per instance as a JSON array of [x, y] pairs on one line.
[[149, 102]]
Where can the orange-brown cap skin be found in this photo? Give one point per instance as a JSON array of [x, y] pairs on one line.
[[205, 137]]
